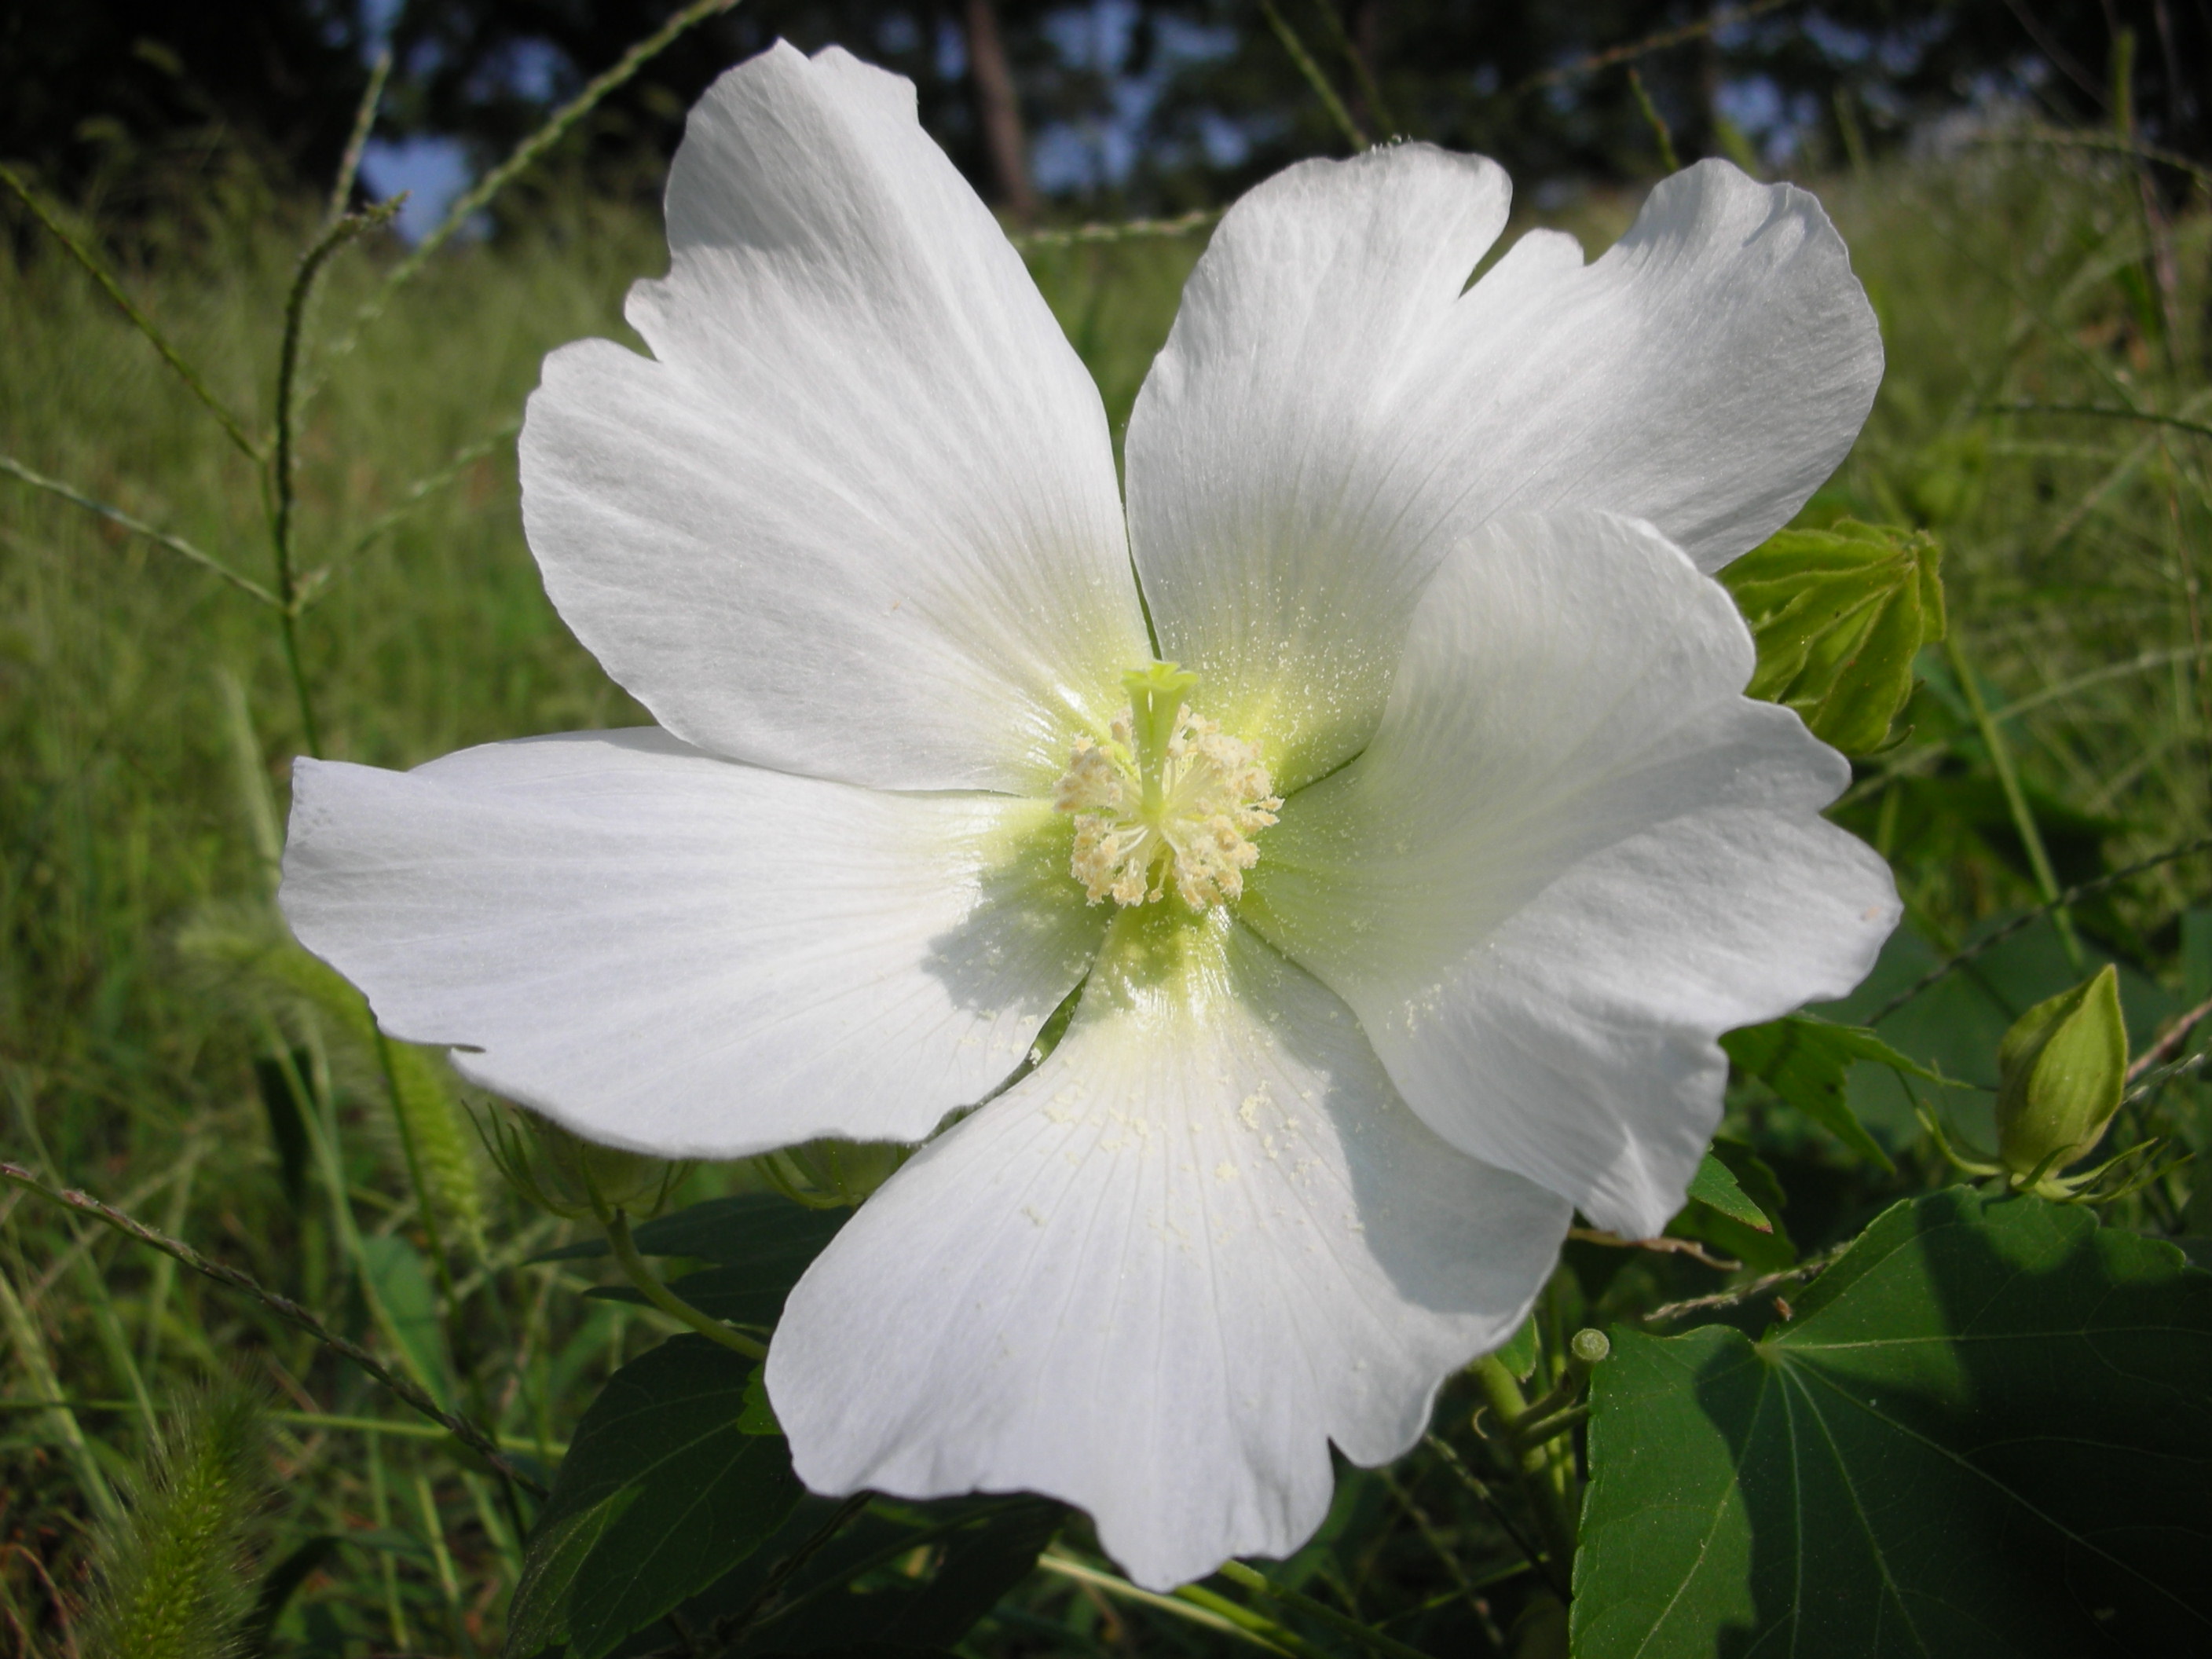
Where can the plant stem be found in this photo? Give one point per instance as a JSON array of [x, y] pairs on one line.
[[1249, 1630], [336, 236], [475, 200], [1531, 1467], [364, 119], [139, 320], [1304, 61], [1251, 1618], [116, 515], [1238, 1573], [649, 1286], [1998, 935]]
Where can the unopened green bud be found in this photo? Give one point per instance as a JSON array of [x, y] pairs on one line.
[[2061, 1070], [562, 1172], [832, 1174], [1839, 615]]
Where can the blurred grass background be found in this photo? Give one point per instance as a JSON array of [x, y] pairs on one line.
[[147, 722]]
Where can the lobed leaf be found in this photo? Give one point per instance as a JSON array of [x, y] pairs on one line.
[[1986, 1430]]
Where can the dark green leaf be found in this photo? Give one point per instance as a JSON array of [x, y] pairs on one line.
[[902, 1573], [662, 1491], [727, 1231], [1985, 1431], [559, 1546], [759, 1245], [1806, 1061], [859, 1591], [758, 1417], [1839, 615]]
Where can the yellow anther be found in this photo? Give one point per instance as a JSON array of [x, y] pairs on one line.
[[1167, 798]]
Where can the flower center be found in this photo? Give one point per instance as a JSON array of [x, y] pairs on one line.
[[1167, 797]]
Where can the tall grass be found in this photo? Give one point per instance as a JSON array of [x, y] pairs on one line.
[[206, 1099]]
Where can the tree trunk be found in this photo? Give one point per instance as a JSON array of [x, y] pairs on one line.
[[997, 110]]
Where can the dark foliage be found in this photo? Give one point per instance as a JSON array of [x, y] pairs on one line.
[[1202, 94]]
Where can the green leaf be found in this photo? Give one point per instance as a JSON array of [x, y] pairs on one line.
[[1839, 615], [1715, 1184], [1985, 1431], [1758, 1182], [856, 1593], [757, 1242], [1955, 1024], [1735, 1206], [900, 1576], [1519, 1353], [758, 1417], [662, 1490], [1806, 1061]]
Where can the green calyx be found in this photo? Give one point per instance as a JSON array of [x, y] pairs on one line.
[[2061, 1070], [1156, 699], [1839, 615], [564, 1174]]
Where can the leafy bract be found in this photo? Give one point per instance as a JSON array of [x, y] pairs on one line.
[[1987, 1431], [1839, 615], [662, 1491], [1806, 1061]]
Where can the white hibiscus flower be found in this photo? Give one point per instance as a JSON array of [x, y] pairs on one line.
[[1401, 931]]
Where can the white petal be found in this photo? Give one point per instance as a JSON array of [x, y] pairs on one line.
[[1267, 557], [857, 516], [1159, 1275], [1707, 373], [1573, 856], [676, 953], [1331, 409]]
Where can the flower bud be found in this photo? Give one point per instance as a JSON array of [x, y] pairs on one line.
[[567, 1175], [2060, 1070], [1839, 615], [832, 1174]]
